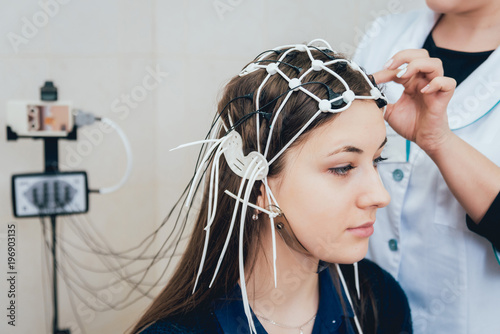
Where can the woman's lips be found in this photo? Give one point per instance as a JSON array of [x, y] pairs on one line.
[[363, 231]]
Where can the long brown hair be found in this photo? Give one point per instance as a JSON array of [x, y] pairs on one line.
[[178, 297]]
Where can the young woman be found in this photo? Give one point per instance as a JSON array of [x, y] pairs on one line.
[[291, 191]]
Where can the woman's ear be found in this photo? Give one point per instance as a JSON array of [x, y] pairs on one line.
[[262, 197]]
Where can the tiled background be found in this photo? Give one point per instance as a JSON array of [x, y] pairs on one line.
[[95, 51]]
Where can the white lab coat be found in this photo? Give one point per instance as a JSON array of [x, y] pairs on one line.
[[450, 274]]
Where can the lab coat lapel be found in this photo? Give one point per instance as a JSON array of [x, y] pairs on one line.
[[477, 95], [414, 37]]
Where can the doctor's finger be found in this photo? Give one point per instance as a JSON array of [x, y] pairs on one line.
[[384, 76], [431, 67], [440, 84], [405, 56]]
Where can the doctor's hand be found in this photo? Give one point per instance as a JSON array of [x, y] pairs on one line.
[[420, 113]]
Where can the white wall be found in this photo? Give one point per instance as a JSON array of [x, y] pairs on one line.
[[96, 51]]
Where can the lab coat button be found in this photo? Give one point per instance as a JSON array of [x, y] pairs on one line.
[[393, 245], [397, 175]]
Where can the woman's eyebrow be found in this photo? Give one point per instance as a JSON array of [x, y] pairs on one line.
[[383, 143], [354, 149]]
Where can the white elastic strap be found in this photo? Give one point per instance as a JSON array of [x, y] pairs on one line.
[[214, 173], [244, 295], [322, 41], [271, 215], [309, 54], [214, 182], [273, 232], [344, 83], [363, 97], [346, 290], [231, 225], [277, 48], [285, 100], [271, 193], [283, 75], [310, 94], [365, 76], [200, 168], [256, 207], [257, 106], [223, 124], [128, 152], [356, 278], [194, 143], [295, 137]]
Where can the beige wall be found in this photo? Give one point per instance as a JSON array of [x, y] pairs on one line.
[[96, 51]]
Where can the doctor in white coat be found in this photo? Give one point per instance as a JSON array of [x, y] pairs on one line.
[[442, 169]]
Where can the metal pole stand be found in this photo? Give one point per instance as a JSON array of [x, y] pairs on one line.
[[51, 153]]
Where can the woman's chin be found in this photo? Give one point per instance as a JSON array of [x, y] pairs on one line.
[[350, 257]]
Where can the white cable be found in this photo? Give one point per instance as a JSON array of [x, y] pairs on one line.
[[271, 193], [194, 143], [256, 207], [322, 41], [257, 107], [271, 215], [346, 290], [198, 173], [356, 278], [128, 151], [231, 225], [273, 232], [295, 137], [211, 212], [275, 119], [243, 286]]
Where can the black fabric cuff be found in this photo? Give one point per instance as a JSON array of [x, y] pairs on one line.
[[489, 226]]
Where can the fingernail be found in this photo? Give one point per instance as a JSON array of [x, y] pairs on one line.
[[388, 63], [423, 90], [402, 66], [402, 72]]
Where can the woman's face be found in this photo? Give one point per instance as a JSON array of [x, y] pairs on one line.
[[330, 189]]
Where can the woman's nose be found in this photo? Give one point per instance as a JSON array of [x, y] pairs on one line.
[[374, 193]]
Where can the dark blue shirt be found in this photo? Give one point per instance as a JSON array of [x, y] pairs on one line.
[[385, 311], [329, 319]]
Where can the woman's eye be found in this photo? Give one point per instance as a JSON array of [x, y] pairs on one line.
[[341, 171], [377, 160]]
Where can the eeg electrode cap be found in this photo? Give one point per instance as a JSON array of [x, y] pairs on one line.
[[272, 68], [324, 105], [294, 84], [317, 65], [348, 96]]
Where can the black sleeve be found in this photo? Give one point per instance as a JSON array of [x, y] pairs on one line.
[[489, 226], [384, 307]]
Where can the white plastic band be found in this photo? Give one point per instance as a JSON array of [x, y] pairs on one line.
[[243, 286], [256, 207], [239, 164]]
